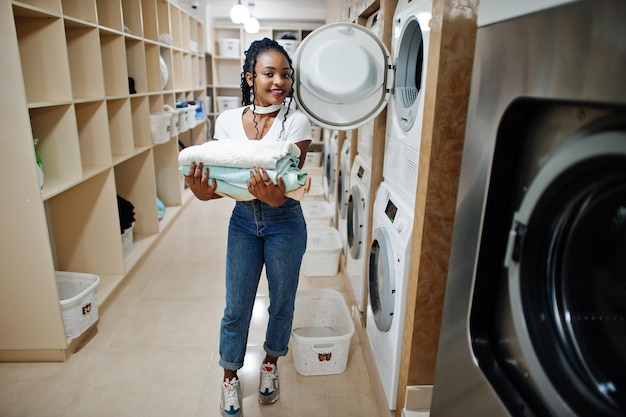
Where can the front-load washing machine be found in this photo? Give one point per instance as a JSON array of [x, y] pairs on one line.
[[534, 320], [357, 222], [343, 189], [388, 271], [329, 165], [409, 49]]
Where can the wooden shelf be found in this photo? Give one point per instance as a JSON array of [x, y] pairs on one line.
[[68, 70]]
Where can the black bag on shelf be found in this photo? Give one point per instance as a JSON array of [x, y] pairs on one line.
[[126, 212]]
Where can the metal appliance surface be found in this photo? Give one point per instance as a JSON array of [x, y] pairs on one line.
[[534, 320]]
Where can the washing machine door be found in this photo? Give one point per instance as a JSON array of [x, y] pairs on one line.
[[410, 74], [343, 182], [381, 278], [566, 262], [355, 221], [343, 76]]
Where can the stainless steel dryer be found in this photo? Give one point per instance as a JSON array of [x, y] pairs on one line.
[[534, 320]]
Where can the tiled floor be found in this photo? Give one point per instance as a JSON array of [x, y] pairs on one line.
[[155, 352]]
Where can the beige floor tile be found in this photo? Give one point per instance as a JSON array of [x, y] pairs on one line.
[[153, 382], [155, 351], [171, 322]]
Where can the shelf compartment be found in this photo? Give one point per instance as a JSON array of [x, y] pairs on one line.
[[110, 14], [185, 31], [136, 64], [175, 26], [178, 68], [135, 181], [166, 53], [153, 72], [46, 70], [85, 230], [141, 121], [163, 18], [120, 128], [131, 12], [187, 72], [93, 135], [114, 64], [168, 177], [80, 9], [58, 146], [149, 16], [51, 6], [228, 71], [85, 59]]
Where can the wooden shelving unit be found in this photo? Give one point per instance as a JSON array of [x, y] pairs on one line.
[[68, 65]]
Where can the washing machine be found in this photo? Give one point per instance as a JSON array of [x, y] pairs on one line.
[[534, 319], [357, 228], [343, 189], [388, 270], [329, 164], [409, 49]]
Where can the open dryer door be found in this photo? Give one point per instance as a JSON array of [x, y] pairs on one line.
[[343, 76]]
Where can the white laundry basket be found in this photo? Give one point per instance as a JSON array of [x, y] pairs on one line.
[[323, 249], [317, 213], [322, 330], [160, 127], [173, 119], [79, 301]]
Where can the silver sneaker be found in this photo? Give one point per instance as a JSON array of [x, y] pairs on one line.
[[268, 384], [230, 405]]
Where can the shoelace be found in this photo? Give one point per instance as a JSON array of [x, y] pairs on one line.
[[268, 376], [230, 395]]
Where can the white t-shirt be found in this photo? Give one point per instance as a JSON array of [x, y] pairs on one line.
[[297, 127]]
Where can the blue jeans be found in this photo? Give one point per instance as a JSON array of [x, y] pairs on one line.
[[261, 234]]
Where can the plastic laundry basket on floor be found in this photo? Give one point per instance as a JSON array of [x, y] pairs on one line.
[[323, 251], [322, 330]]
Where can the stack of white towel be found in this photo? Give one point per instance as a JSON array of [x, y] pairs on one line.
[[230, 162]]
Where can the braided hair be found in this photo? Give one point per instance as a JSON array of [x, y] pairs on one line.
[[247, 92]]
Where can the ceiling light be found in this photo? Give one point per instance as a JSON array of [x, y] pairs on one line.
[[251, 24], [239, 13]]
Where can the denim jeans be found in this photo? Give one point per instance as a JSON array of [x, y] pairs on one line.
[[259, 235]]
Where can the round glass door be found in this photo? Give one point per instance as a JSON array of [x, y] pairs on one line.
[[410, 73], [355, 222], [343, 189], [568, 274], [343, 76], [381, 279]]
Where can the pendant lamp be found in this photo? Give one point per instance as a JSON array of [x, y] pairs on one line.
[[251, 24], [239, 13]]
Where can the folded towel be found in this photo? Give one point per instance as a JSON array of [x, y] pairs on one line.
[[234, 181], [238, 153], [230, 165]]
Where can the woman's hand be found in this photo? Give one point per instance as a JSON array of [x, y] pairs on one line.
[[198, 183], [262, 188]]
